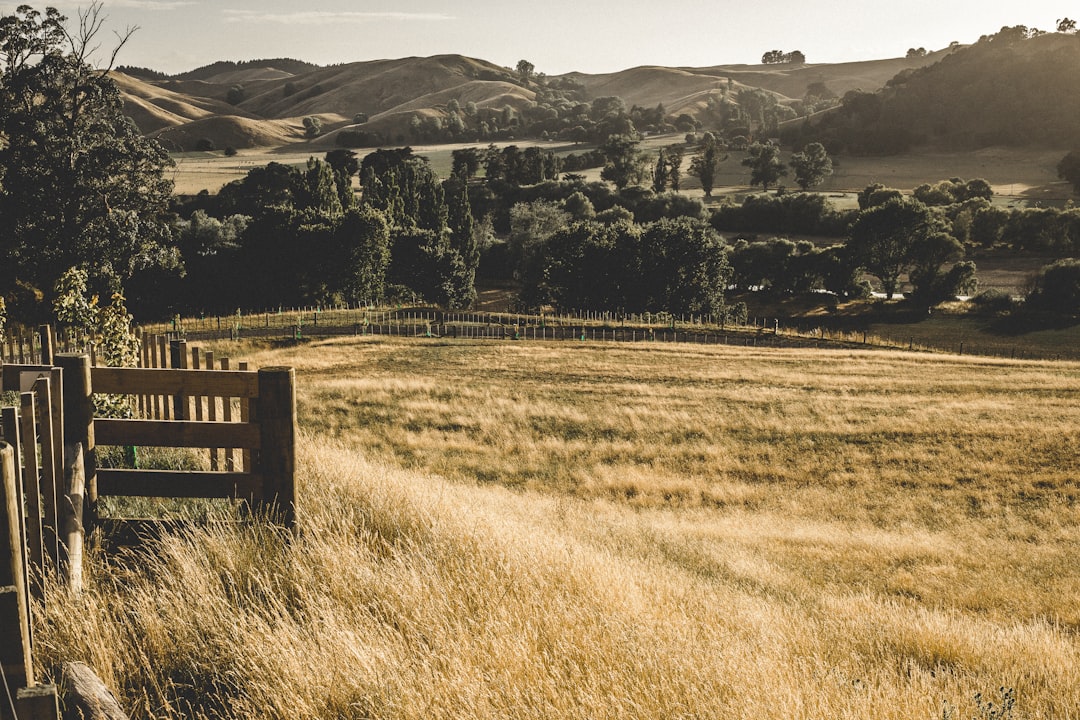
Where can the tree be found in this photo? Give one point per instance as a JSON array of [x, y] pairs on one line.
[[1056, 288], [80, 185], [1065, 25], [312, 127], [675, 156], [703, 165], [884, 239], [625, 164], [1068, 168], [764, 163], [660, 172], [795, 57], [811, 166], [525, 71], [772, 57], [916, 52]]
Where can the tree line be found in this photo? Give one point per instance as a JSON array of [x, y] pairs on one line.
[[303, 235]]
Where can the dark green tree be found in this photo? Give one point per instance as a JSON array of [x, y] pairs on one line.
[[81, 186], [765, 166], [1068, 168], [625, 164], [884, 239], [811, 166], [675, 158], [660, 172], [345, 164], [703, 165]]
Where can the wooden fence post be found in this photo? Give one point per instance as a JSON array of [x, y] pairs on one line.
[[277, 426], [79, 426], [45, 335], [15, 657]]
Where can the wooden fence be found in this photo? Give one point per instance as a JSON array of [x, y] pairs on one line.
[[52, 487]]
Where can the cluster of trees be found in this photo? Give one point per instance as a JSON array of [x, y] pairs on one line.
[[779, 57], [81, 186], [957, 102]]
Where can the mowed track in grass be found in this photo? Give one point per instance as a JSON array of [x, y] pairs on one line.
[[577, 530]]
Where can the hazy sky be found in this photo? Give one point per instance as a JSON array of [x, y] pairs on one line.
[[557, 36]]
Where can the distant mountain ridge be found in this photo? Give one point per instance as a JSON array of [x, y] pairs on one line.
[[931, 98]]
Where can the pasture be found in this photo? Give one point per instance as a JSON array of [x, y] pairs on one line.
[[1019, 176], [584, 530]]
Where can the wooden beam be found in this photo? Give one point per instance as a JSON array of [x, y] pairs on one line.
[[277, 456], [179, 484], [78, 425], [15, 658], [176, 433], [133, 381]]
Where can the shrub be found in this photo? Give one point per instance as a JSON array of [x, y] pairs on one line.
[[1056, 288]]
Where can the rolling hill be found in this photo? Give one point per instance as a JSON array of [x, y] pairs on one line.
[[1024, 92]]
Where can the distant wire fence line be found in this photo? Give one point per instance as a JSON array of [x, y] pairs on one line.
[[429, 322]]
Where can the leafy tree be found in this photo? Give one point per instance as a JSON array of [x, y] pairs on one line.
[[660, 172], [1056, 288], [81, 187], [1068, 168], [795, 57], [364, 240], [625, 164], [236, 95], [465, 163], [876, 194], [703, 165], [765, 165], [928, 254], [345, 164], [772, 57], [1065, 25], [320, 188], [675, 158], [312, 127], [885, 238], [525, 71], [916, 52], [811, 166]]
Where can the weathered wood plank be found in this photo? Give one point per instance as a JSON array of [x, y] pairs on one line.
[[176, 433], [86, 695], [133, 381], [277, 457], [15, 659], [179, 484]]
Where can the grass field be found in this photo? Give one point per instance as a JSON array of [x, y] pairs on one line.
[[1019, 176], [496, 530]]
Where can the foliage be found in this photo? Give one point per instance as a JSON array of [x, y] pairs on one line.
[[67, 139], [73, 306], [763, 159], [1068, 168], [624, 162], [703, 166], [812, 165], [312, 126], [673, 265], [890, 238], [789, 214], [1056, 289]]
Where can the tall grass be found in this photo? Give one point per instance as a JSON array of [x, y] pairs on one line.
[[557, 531]]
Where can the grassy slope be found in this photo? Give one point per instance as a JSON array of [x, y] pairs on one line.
[[695, 532]]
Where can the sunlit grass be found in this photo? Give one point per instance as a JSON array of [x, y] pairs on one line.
[[574, 530]]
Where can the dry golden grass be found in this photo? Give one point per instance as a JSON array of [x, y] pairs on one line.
[[565, 530]]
